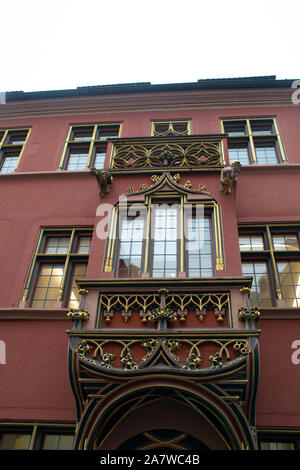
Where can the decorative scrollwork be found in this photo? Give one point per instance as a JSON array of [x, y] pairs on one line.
[[249, 313], [128, 362], [194, 361], [215, 360], [151, 307], [162, 313], [161, 155], [190, 352], [241, 347], [78, 314]]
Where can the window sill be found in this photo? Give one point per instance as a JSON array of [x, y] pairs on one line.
[[33, 314], [59, 172], [279, 313], [284, 167]]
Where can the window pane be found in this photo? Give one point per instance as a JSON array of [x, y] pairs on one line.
[[84, 244], [9, 163], [15, 441], [48, 286], [286, 242], [238, 152], [131, 247], [251, 242], [100, 159], [277, 446], [261, 127], [165, 241], [57, 245], [235, 128], [83, 134], [105, 132], [79, 270], [266, 153], [77, 160], [260, 291], [198, 247], [180, 128], [289, 279], [57, 442], [16, 138]]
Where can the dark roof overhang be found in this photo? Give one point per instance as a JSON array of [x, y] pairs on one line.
[[146, 87]]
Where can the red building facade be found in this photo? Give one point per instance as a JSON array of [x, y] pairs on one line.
[[150, 283]]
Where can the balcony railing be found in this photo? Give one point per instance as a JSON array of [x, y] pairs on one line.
[[184, 351], [198, 151]]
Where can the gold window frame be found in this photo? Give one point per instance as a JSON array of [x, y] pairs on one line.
[[89, 143], [170, 129], [4, 146], [65, 258], [36, 429], [269, 252], [276, 135]]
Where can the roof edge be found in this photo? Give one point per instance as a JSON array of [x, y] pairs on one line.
[[269, 81]]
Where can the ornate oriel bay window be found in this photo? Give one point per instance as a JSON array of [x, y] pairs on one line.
[[165, 236], [271, 254]]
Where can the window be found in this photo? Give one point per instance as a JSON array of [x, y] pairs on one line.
[[57, 441], [164, 240], [269, 445], [16, 441], [38, 436], [12, 143], [271, 255], [131, 247], [254, 141], [86, 146], [279, 440], [199, 254], [61, 257], [163, 128]]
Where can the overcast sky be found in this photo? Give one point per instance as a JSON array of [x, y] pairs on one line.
[[62, 44]]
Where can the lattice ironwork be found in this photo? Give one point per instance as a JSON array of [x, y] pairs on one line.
[[160, 155]]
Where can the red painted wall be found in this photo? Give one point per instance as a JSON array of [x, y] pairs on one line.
[[34, 380], [278, 398]]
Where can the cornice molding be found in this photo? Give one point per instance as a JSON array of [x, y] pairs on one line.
[[151, 102]]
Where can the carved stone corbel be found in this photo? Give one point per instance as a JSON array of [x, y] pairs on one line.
[[249, 313], [104, 180], [229, 176]]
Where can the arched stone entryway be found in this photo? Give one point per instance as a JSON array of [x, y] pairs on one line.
[[134, 408]]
